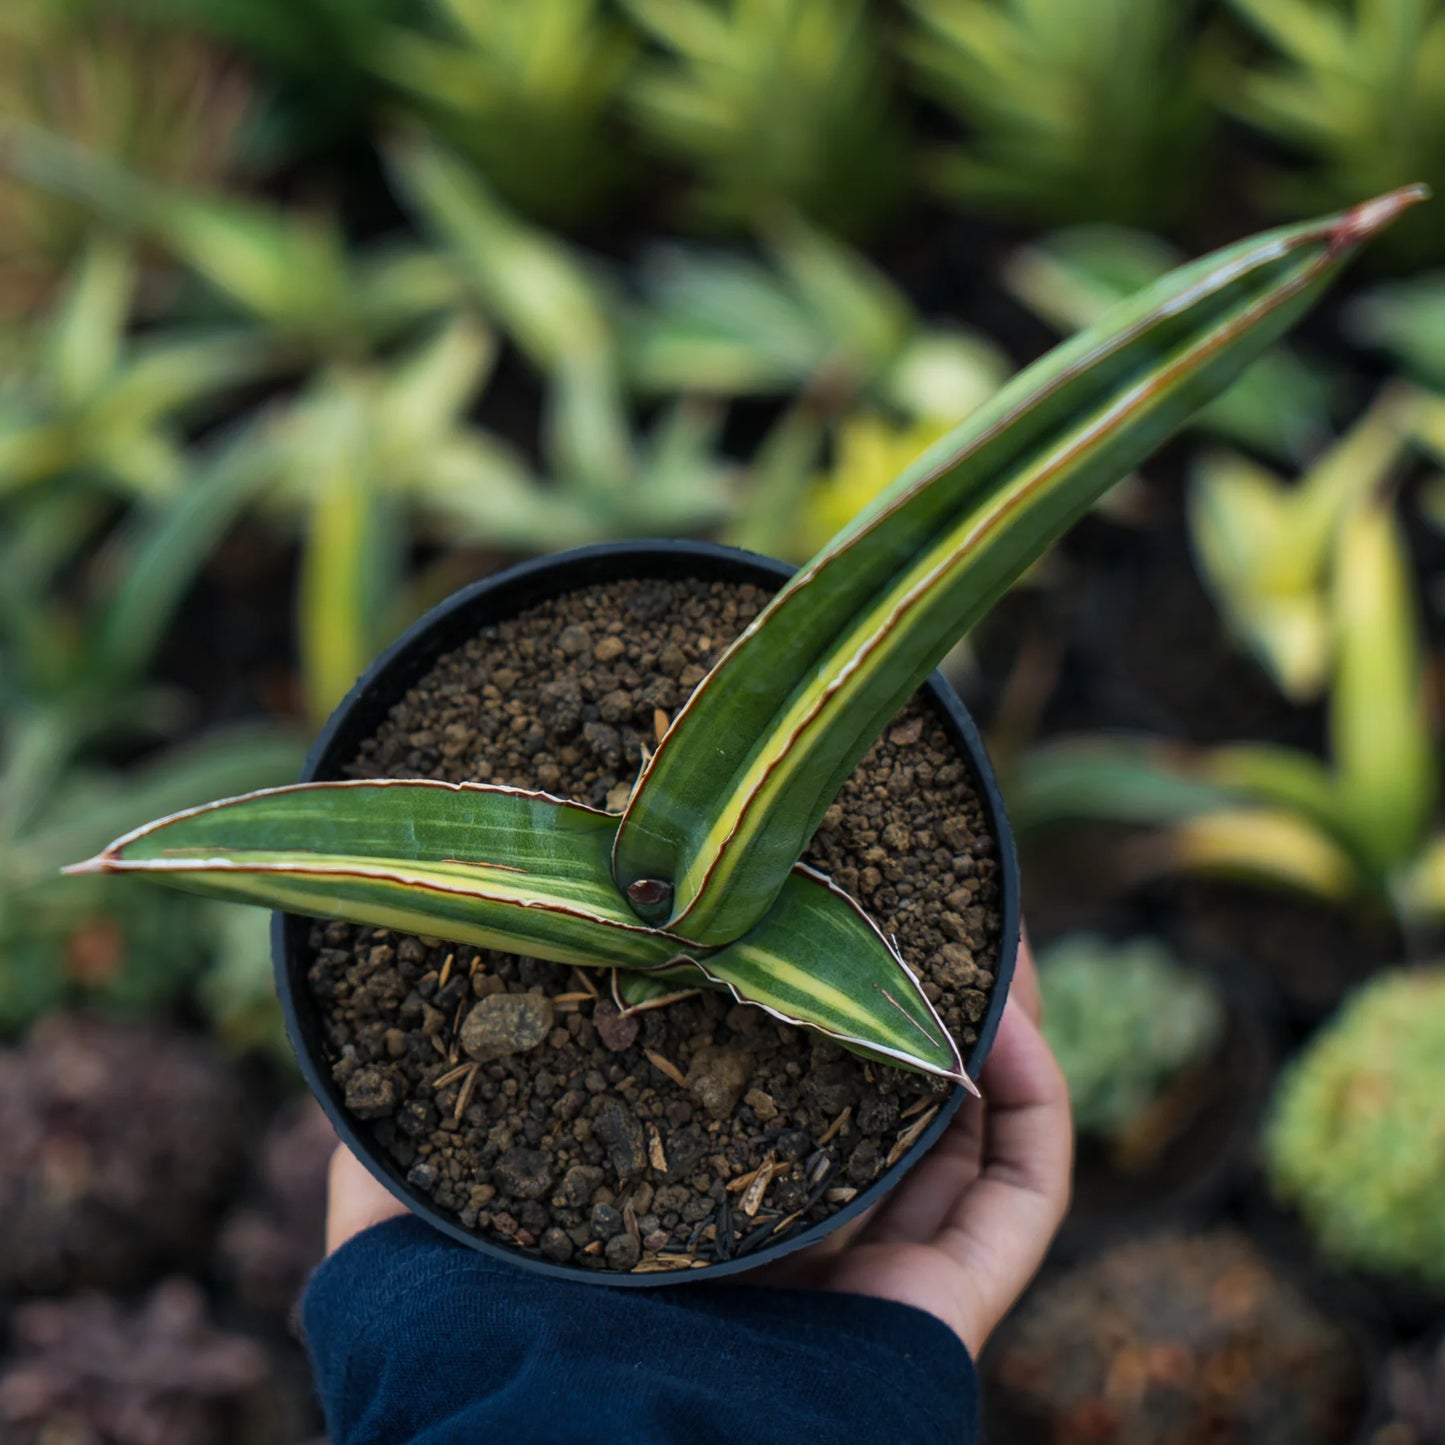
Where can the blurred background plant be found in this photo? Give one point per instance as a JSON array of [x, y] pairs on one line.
[[1355, 1139], [1073, 110], [126, 87], [772, 105], [1128, 1023], [1358, 831], [1356, 88], [528, 90], [314, 310], [1190, 1338]]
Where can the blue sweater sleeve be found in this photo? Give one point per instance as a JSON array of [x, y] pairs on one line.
[[417, 1339]]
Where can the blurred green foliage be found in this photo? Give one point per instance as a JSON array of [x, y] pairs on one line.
[[1357, 88], [126, 88], [528, 90], [293, 267], [1359, 830], [1356, 1136], [772, 106], [1074, 110], [1126, 1021]]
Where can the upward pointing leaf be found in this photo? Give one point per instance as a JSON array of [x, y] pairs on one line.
[[740, 783], [1380, 733]]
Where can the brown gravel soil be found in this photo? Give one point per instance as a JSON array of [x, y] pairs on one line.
[[512, 1092]]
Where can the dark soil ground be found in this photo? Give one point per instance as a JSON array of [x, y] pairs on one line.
[[678, 1136]]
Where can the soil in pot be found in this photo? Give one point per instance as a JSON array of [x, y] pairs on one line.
[[516, 1096]]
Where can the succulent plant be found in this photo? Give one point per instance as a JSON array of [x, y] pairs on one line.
[[1076, 110], [1125, 1020], [1280, 406], [774, 106], [695, 882], [271, 1242], [1358, 829], [118, 1146], [147, 96], [1356, 1139], [528, 89], [93, 1371], [1193, 1340], [1354, 87]]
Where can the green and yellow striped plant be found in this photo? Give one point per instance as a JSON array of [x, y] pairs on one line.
[[1355, 830], [697, 881]]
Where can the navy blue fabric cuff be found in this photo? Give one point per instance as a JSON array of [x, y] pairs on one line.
[[417, 1339]]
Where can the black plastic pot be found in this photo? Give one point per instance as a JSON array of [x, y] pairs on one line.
[[455, 622]]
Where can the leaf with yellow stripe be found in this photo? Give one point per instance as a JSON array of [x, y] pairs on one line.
[[427, 857], [741, 781], [817, 959], [493, 867]]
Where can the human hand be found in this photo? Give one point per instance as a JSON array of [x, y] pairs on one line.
[[960, 1237], [967, 1230], [354, 1200]]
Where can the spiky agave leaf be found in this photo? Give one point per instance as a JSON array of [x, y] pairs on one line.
[[741, 781]]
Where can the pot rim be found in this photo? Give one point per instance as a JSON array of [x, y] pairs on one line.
[[447, 626]]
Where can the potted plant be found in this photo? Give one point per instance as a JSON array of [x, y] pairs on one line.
[[1166, 1064], [1355, 1142], [687, 878], [1355, 833], [1186, 1338]]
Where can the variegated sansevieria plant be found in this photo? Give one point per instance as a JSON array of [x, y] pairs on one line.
[[697, 882]]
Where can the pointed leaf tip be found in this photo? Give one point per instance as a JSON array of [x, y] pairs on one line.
[[1370, 217]]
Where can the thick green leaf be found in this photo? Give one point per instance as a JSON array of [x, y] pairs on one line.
[[741, 781], [818, 959], [1280, 405], [161, 554], [1115, 780], [413, 856], [1268, 846], [83, 809], [1264, 548], [1380, 734]]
